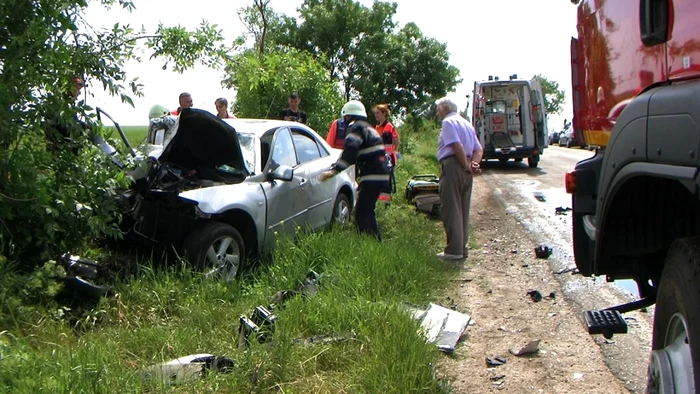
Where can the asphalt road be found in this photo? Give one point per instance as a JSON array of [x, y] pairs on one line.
[[532, 196]]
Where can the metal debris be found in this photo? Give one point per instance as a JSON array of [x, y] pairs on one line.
[[440, 325], [543, 251], [531, 348], [561, 210], [187, 368], [495, 361], [78, 271], [572, 269], [535, 295]]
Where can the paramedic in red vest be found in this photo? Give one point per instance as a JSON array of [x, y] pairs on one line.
[[336, 134], [185, 101], [363, 147], [387, 131]]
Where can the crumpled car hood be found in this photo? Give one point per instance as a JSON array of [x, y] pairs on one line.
[[199, 140]]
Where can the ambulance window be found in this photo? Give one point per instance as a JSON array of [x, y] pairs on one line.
[[496, 106]]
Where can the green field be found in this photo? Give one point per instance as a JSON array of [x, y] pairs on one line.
[[135, 134], [165, 313]]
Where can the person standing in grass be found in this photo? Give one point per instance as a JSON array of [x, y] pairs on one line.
[[363, 147], [221, 105], [293, 113], [459, 154], [185, 101], [390, 137]]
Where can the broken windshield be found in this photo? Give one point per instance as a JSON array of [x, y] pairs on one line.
[[247, 143]]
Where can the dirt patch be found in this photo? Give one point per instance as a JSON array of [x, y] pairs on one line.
[[493, 288]]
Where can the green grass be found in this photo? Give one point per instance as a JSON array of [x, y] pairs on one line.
[[135, 134], [162, 314]]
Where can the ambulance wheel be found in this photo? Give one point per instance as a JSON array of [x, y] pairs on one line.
[[533, 161]]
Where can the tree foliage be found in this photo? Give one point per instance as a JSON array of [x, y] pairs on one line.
[[264, 82], [56, 195], [554, 98], [264, 25], [363, 50]]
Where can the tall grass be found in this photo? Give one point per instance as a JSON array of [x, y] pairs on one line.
[[164, 313]]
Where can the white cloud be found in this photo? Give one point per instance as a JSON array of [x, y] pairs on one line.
[[496, 37]]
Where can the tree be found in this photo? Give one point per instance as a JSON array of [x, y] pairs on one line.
[[265, 26], [56, 195], [263, 83], [362, 50], [554, 98], [400, 78]]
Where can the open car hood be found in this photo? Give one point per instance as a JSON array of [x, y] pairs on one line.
[[201, 140]]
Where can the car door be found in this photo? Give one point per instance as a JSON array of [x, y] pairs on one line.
[[313, 160], [285, 205], [537, 111]]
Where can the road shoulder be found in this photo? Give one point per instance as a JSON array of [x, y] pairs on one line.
[[492, 287]]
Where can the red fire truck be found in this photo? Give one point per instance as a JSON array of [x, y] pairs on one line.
[[636, 207]]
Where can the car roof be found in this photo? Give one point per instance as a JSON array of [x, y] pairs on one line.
[[260, 126]]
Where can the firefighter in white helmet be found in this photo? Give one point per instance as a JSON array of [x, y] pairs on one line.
[[158, 111], [364, 148]]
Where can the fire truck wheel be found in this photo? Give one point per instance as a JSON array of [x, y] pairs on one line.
[[676, 337]]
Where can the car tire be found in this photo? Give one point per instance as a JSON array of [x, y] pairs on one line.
[[217, 249], [342, 211], [533, 161], [676, 334]]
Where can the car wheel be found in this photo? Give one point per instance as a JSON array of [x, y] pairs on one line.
[[533, 161], [217, 249], [341, 211], [676, 335]]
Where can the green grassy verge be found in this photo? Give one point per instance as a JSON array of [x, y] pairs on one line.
[[162, 314]]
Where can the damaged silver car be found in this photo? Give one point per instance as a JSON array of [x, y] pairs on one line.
[[221, 191]]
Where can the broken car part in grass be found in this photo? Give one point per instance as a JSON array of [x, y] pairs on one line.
[[442, 326], [423, 192]]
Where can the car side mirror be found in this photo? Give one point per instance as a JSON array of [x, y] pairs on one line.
[[282, 173]]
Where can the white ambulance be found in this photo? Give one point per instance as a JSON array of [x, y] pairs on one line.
[[510, 119]]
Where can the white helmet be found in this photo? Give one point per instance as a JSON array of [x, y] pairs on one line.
[[353, 108], [158, 111]]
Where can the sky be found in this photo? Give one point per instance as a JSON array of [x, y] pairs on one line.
[[494, 37]]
